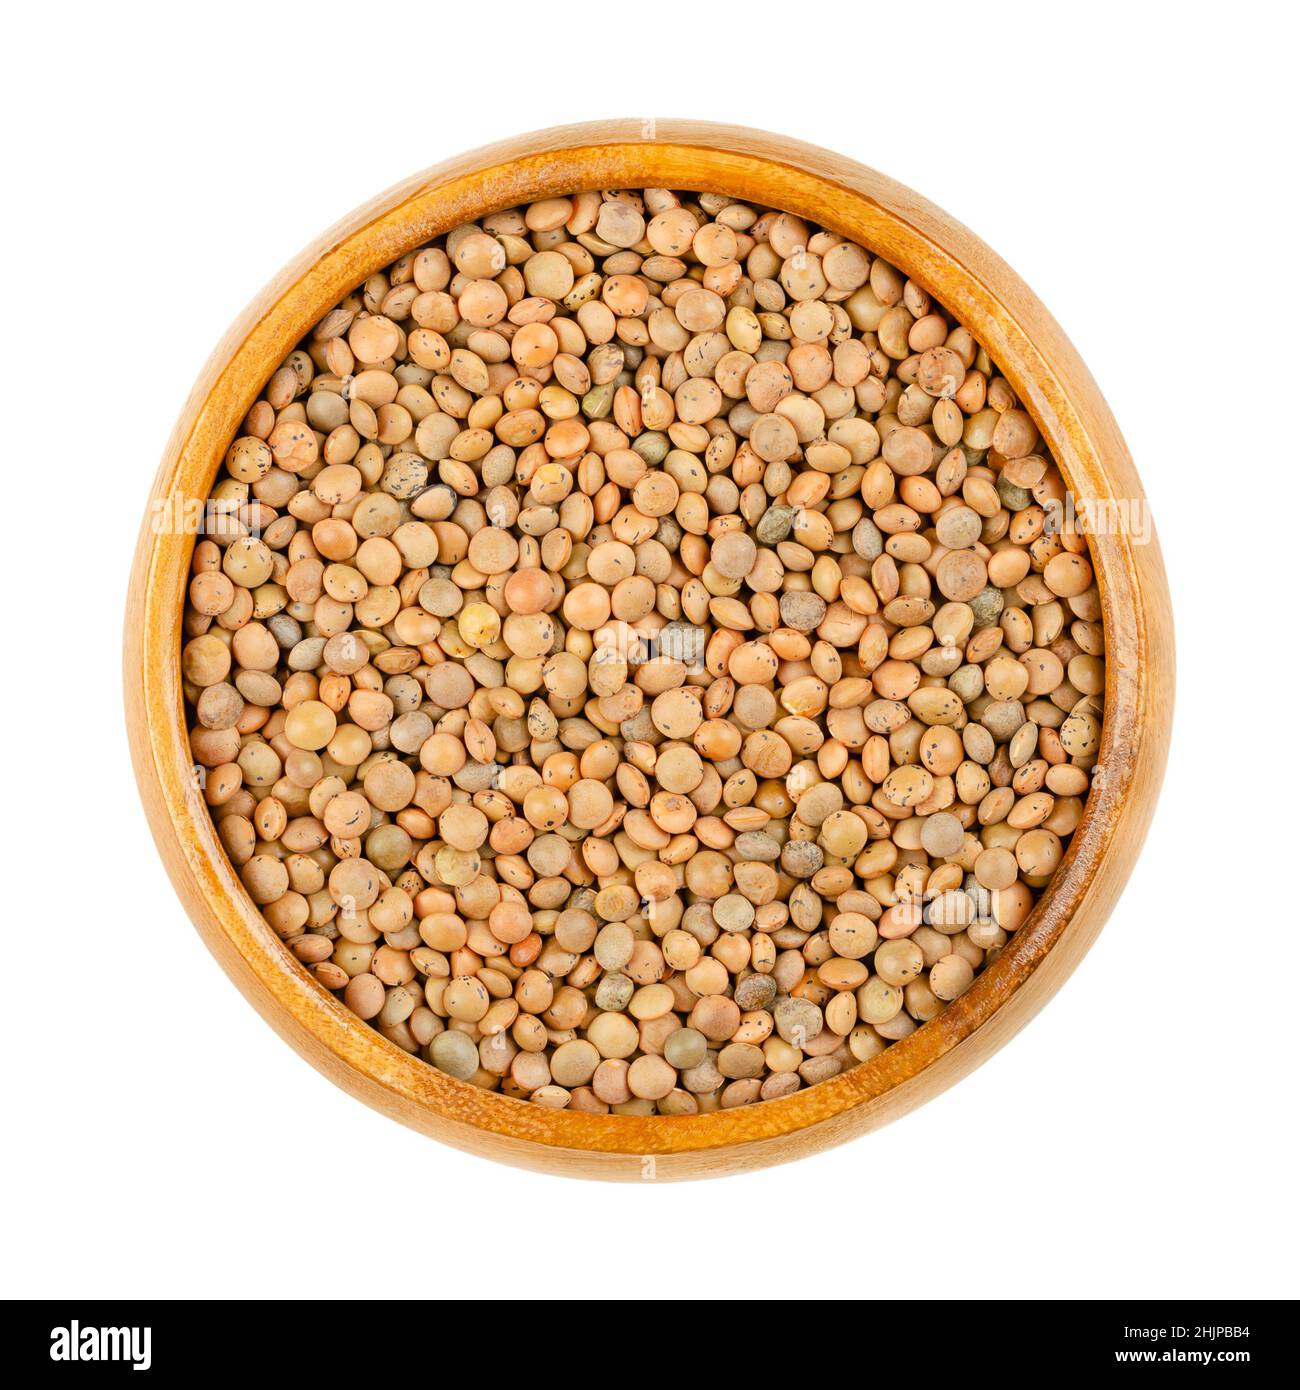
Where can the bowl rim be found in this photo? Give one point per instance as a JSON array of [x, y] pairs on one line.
[[1049, 379]]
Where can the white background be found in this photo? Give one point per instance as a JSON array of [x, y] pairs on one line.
[[1135, 163]]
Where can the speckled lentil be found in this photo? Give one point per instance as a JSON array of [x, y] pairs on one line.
[[639, 656]]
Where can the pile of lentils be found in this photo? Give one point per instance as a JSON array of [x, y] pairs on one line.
[[639, 656]]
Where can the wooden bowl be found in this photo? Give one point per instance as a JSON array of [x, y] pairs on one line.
[[1047, 375]]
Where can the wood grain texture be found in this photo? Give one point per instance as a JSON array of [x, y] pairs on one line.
[[1047, 375]]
